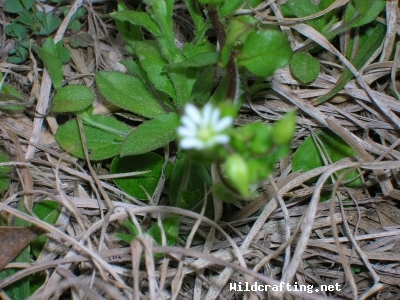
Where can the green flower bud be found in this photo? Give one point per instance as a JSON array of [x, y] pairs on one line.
[[283, 131], [238, 174]]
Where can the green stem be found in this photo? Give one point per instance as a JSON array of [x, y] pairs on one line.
[[231, 69]]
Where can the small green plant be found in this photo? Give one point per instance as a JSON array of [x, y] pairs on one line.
[[167, 79], [32, 22], [359, 14]]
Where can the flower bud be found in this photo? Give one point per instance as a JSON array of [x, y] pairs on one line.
[[283, 131], [238, 174]]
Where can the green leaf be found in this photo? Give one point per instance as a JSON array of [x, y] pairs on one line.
[[137, 18], [171, 230], [47, 211], [131, 33], [304, 8], [8, 92], [53, 64], [151, 135], [153, 63], [161, 13], [137, 185], [72, 98], [189, 182], [4, 170], [16, 30], [199, 60], [25, 17], [103, 137], [203, 86], [307, 156], [128, 92], [16, 6], [264, 52], [369, 12], [200, 24], [46, 23], [360, 59], [190, 50], [363, 5], [227, 8], [304, 67]]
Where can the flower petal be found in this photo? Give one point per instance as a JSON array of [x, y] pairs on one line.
[[191, 143], [223, 124], [221, 139], [188, 123], [186, 132], [193, 113], [215, 117], [207, 111]]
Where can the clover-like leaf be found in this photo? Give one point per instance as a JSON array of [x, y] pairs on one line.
[[16, 6], [264, 52]]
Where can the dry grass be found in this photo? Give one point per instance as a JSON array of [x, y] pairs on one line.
[[296, 239]]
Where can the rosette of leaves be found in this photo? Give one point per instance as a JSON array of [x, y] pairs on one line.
[[31, 21]]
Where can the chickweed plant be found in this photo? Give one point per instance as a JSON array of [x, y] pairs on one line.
[[176, 88]]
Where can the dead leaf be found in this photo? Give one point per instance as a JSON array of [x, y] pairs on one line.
[[13, 240]]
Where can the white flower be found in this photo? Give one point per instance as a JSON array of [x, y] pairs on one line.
[[202, 129]]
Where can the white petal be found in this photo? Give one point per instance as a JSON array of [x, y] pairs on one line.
[[191, 143], [215, 117], [207, 111], [221, 139], [187, 122], [193, 113], [223, 124], [186, 132]]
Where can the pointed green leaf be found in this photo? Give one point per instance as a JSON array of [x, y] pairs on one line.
[[199, 60], [151, 135], [189, 183], [129, 93], [47, 211], [359, 60], [307, 157], [369, 12], [171, 230], [137, 18], [137, 185], [153, 63], [53, 65]]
